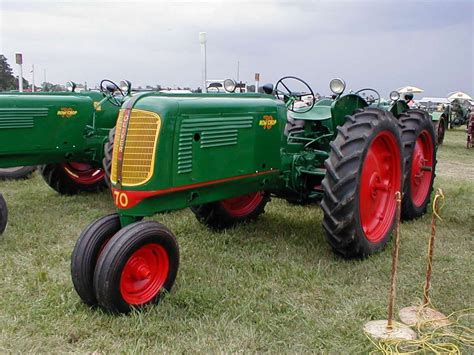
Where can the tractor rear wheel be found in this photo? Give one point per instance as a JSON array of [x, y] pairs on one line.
[[419, 153], [73, 177], [136, 267], [440, 129], [84, 257], [16, 173], [3, 214], [364, 172], [232, 211], [107, 161]]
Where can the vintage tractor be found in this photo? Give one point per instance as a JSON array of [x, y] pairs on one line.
[[457, 113], [225, 155], [64, 132]]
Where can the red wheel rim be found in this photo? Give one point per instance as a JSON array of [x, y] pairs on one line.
[[83, 173], [144, 274], [242, 205], [421, 168], [379, 180]]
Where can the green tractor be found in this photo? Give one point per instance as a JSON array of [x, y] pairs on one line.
[[64, 132], [225, 155]]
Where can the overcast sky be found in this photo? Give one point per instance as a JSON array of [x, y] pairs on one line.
[[380, 44]]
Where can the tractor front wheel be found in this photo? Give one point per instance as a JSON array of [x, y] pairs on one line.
[[136, 267], [232, 211], [364, 172], [84, 257], [70, 178], [419, 153], [3, 214]]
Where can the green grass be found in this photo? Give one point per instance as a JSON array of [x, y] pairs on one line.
[[273, 285]]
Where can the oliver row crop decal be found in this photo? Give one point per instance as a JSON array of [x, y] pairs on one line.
[[267, 122], [66, 112]]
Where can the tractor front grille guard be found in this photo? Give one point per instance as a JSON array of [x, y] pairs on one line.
[[134, 151]]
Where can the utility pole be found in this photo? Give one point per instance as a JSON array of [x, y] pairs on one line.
[[238, 71], [33, 78], [202, 41], [19, 61]]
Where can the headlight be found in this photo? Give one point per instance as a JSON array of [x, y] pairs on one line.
[[394, 95], [337, 86], [125, 86], [70, 86], [229, 85]]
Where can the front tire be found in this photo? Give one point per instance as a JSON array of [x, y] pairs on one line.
[[364, 171], [419, 154], [3, 214], [84, 257], [232, 211], [72, 178], [136, 267]]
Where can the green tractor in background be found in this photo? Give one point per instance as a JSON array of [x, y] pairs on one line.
[[64, 132], [225, 155]]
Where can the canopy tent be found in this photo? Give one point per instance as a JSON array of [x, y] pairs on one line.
[[458, 95], [409, 89]]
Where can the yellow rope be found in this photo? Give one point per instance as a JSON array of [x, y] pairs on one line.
[[444, 339]]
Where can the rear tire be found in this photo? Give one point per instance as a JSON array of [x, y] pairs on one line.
[[419, 153], [136, 267], [3, 214], [17, 173], [107, 161], [232, 211], [440, 129], [84, 257], [364, 171], [68, 179]]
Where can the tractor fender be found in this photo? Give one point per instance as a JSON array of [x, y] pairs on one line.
[[346, 105]]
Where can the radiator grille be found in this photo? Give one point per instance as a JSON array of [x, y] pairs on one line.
[[139, 150]]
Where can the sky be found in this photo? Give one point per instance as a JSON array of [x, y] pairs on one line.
[[382, 44]]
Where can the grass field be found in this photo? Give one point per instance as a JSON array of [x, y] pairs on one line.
[[274, 285]]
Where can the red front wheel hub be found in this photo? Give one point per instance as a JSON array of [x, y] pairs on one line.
[[421, 168], [144, 274], [379, 180]]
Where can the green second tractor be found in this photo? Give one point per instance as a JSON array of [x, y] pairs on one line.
[[225, 155], [64, 132]]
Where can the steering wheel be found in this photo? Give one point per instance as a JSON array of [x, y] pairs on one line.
[[109, 89], [369, 89], [290, 96]]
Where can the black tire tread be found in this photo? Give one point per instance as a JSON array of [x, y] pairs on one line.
[[214, 216], [115, 254], [107, 160], [412, 122], [23, 172], [85, 254], [58, 180], [339, 203], [3, 214]]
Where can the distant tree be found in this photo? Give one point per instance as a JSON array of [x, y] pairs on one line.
[[7, 79]]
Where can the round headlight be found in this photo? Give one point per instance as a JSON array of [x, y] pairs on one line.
[[70, 86], [394, 95], [125, 86], [229, 85], [337, 86]]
